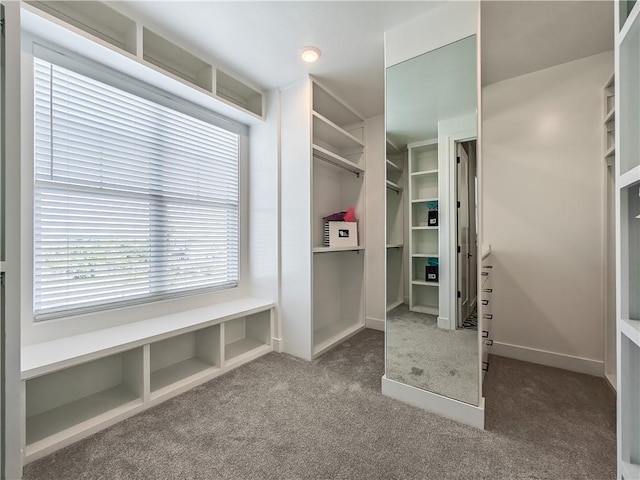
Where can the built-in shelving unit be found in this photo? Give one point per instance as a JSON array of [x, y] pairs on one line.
[[106, 26], [396, 179], [78, 385], [323, 158], [423, 241], [627, 169]]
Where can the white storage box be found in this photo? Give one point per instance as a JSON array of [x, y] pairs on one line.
[[343, 234]]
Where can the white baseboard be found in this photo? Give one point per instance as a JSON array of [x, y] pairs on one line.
[[444, 323], [550, 359], [432, 402], [374, 323], [277, 344]]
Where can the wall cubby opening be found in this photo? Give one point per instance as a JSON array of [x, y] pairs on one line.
[[424, 158], [238, 93], [179, 358], [329, 107], [425, 242], [420, 212], [334, 190], [94, 18], [246, 334], [630, 107], [425, 299], [424, 186], [338, 300], [62, 400], [173, 59], [420, 263]]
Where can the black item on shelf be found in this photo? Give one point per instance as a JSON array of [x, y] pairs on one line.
[[432, 218], [431, 273]]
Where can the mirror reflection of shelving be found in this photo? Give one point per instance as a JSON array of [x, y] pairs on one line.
[[423, 216], [395, 179], [627, 156]]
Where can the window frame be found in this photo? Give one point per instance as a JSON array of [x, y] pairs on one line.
[[134, 308]]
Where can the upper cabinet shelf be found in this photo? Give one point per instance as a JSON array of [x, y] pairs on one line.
[[336, 160], [106, 26], [95, 18], [328, 132], [393, 166]]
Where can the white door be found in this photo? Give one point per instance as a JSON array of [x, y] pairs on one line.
[[462, 193]]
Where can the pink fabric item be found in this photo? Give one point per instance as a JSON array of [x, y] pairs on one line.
[[350, 216]]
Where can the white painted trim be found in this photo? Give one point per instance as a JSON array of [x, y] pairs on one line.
[[443, 323], [374, 323], [277, 344], [550, 359], [432, 402]]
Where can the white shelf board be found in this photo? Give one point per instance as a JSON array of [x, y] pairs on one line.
[[241, 347], [630, 177], [70, 416], [179, 372], [424, 228], [326, 337], [428, 309], [628, 23], [335, 159], [609, 152], [395, 304], [424, 283], [611, 114], [395, 245], [394, 186], [631, 330], [486, 251], [422, 200], [336, 249], [330, 133], [394, 166], [424, 173], [424, 255], [50, 356]]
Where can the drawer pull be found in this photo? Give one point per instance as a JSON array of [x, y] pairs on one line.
[[488, 316], [485, 334], [488, 290], [488, 342], [485, 302]]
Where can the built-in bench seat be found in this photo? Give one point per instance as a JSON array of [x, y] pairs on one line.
[[78, 385]]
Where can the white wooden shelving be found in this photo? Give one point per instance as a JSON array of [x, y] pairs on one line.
[[79, 385], [423, 242], [627, 168], [104, 25], [323, 160], [395, 199]]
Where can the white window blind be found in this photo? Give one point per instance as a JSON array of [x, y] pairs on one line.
[[134, 201]]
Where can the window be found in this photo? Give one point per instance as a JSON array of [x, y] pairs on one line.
[[134, 201]]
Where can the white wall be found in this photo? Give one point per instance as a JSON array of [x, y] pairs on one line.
[[375, 231], [543, 205], [446, 23]]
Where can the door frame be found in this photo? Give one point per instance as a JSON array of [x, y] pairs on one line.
[[450, 132]]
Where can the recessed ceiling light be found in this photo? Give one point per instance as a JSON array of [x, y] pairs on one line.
[[310, 54]]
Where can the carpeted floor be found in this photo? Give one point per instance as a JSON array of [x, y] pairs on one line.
[[422, 355], [283, 418]]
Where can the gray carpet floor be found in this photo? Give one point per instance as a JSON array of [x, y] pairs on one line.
[[424, 356], [283, 418]]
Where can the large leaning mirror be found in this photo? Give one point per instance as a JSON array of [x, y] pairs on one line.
[[431, 113]]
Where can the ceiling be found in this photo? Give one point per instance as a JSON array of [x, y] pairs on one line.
[[520, 37], [438, 85], [261, 41]]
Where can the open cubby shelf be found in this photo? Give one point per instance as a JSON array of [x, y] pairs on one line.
[[83, 396], [100, 23]]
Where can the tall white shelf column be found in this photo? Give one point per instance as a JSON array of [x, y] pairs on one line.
[[424, 238], [322, 172], [627, 166]]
